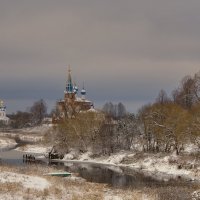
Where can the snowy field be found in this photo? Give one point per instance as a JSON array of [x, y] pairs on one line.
[[32, 184]]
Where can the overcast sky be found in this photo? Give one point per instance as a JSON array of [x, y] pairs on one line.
[[123, 50]]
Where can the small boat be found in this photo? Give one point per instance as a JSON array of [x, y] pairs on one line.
[[62, 174]]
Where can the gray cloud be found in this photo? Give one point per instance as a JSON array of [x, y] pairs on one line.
[[123, 50]]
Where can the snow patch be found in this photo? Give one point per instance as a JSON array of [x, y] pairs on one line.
[[6, 142], [196, 195], [116, 159], [37, 129], [34, 149], [191, 148], [70, 156], [85, 156], [26, 180]]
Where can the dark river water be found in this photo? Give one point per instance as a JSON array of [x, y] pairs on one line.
[[114, 176]]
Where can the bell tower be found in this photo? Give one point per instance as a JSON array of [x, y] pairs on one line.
[[69, 92]]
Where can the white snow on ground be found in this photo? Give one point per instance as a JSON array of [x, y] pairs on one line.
[[85, 156], [113, 159], [116, 159], [159, 168], [112, 197], [34, 149], [196, 195], [191, 148], [156, 165], [27, 181], [33, 134], [31, 137], [6, 142], [37, 129], [70, 156]]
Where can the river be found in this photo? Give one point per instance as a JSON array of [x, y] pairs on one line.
[[92, 172]]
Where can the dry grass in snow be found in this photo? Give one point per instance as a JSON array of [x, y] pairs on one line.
[[29, 183]]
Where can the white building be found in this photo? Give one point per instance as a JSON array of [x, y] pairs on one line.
[[3, 117]]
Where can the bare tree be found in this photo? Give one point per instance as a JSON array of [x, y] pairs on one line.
[[162, 97], [106, 141], [20, 119], [185, 94], [127, 128], [38, 111], [109, 109], [196, 86], [121, 110], [115, 111]]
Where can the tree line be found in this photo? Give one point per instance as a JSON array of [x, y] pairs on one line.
[[165, 125], [170, 123], [32, 117]]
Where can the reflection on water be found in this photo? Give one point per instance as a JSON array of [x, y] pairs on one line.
[[114, 176]]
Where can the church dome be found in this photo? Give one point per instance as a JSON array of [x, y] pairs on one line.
[[75, 89], [83, 91]]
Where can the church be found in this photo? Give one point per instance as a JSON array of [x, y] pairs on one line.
[[3, 118], [72, 103]]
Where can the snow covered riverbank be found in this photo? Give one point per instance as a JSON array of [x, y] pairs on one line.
[[76, 188], [30, 183], [159, 166]]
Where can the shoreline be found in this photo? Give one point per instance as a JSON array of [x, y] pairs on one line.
[[158, 168], [157, 175]]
